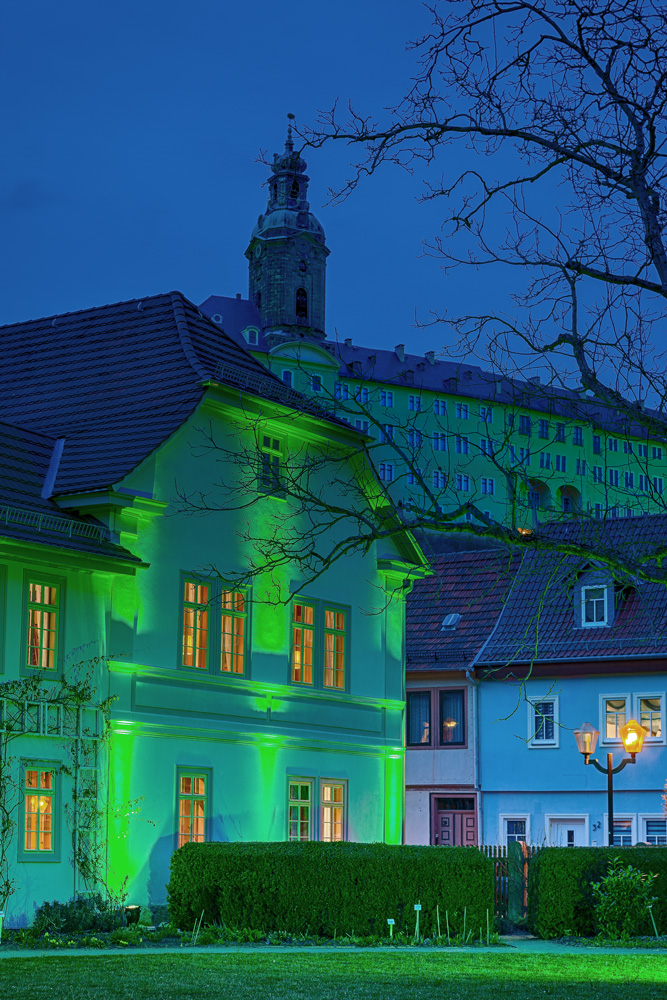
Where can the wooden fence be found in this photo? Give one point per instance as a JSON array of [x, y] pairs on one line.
[[511, 869]]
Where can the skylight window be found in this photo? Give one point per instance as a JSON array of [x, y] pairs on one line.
[[450, 622]]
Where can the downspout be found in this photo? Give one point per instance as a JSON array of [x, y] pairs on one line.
[[477, 770]]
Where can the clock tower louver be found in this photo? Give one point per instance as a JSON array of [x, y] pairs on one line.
[[287, 255]]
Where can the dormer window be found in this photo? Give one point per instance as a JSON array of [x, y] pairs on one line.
[[251, 335], [593, 607]]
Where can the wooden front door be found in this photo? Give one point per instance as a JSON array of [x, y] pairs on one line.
[[454, 822]]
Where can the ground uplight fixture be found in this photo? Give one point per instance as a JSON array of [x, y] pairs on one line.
[[632, 736]]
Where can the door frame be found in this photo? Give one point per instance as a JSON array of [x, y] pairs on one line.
[[453, 793], [550, 818]]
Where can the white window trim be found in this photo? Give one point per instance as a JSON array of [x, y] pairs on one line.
[[542, 744], [566, 817], [504, 818], [612, 741], [642, 819], [653, 740], [619, 815], [595, 586]]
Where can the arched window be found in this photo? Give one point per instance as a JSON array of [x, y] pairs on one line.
[[274, 188], [258, 299], [294, 190], [301, 304]]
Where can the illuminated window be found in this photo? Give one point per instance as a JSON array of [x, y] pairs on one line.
[[319, 645], [615, 717], [593, 606], [332, 811], [232, 631], [418, 730], [43, 613], [303, 632], [215, 627], [195, 624], [452, 717], [650, 715], [192, 806], [299, 810], [39, 811], [334, 648], [270, 458]]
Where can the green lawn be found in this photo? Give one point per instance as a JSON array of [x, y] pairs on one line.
[[333, 976]]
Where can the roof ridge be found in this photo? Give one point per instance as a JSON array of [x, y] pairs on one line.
[[177, 303], [88, 309]]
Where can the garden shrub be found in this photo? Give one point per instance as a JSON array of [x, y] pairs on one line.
[[622, 900], [83, 913], [561, 900], [330, 890]]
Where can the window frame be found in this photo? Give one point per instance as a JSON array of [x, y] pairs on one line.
[[320, 630], [293, 779], [582, 605], [333, 783], [188, 771], [512, 817], [270, 478], [643, 819], [48, 580], [636, 714], [435, 731], [216, 613], [542, 744], [632, 817], [52, 856], [612, 741]]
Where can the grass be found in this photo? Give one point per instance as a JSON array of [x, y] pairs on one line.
[[333, 976]]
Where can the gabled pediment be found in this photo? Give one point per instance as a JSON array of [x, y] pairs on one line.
[[304, 352]]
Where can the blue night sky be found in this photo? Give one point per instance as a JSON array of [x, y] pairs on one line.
[[132, 133]]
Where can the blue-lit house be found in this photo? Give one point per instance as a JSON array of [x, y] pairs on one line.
[[536, 646]]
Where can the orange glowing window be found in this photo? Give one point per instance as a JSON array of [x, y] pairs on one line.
[[334, 648], [38, 811], [192, 804], [195, 625], [43, 608], [303, 631], [332, 809]]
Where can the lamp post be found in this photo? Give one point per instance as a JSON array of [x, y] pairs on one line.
[[632, 735]]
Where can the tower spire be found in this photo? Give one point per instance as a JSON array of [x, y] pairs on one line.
[[287, 253]]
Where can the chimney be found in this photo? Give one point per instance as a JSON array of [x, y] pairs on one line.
[[430, 357], [348, 341], [400, 352], [536, 380], [238, 295]]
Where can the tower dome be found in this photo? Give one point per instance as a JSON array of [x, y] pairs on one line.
[[287, 253]]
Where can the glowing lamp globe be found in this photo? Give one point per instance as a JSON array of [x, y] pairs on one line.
[[632, 735], [587, 738]]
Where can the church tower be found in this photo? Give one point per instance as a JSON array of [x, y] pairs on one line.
[[287, 254]]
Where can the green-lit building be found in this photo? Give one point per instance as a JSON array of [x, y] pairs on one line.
[[521, 451], [237, 711]]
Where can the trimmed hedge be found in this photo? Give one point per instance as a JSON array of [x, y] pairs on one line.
[[560, 899], [330, 889]]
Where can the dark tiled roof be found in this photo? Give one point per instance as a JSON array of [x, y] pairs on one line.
[[538, 620], [471, 584], [455, 377], [117, 380], [26, 458]]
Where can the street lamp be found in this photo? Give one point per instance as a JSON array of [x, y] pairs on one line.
[[632, 735]]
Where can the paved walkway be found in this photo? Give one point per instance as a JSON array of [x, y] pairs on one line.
[[513, 945]]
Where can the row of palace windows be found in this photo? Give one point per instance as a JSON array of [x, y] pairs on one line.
[[215, 633], [315, 809]]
